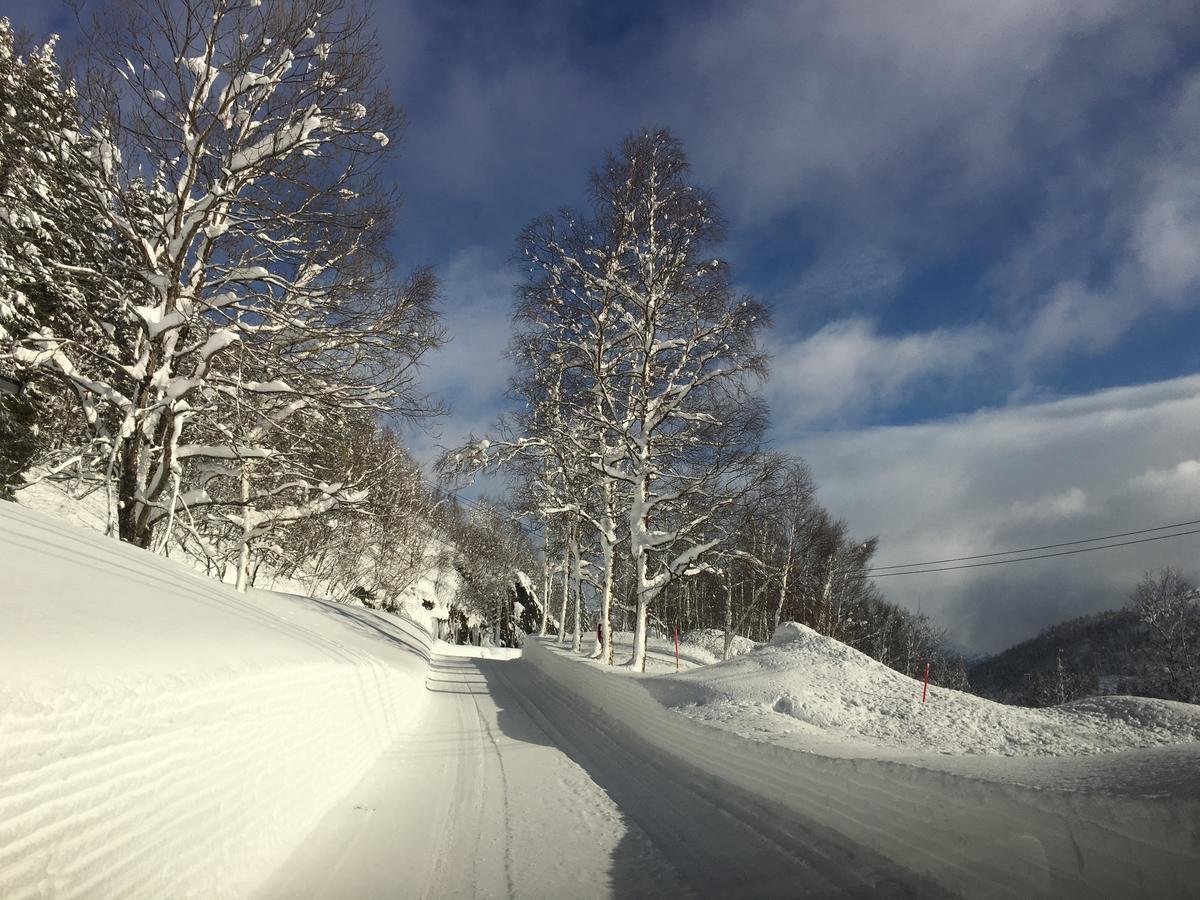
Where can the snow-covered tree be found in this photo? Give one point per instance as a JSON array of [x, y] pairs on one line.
[[237, 148], [1168, 604], [63, 271], [641, 360], [671, 351]]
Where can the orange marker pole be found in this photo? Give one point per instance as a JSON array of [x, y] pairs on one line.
[[925, 689], [676, 648]]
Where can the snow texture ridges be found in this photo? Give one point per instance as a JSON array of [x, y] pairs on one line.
[[161, 735]]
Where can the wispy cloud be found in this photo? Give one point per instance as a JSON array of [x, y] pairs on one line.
[[849, 370]]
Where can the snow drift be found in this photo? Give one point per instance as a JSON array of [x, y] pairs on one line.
[[804, 684], [161, 735]]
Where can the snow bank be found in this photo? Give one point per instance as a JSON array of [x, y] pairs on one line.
[[660, 652], [441, 648], [161, 735], [804, 683], [976, 838], [426, 600]]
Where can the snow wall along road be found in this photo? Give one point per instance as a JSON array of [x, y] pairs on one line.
[[162, 735], [977, 838]]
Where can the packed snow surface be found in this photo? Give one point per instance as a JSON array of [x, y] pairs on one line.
[[1118, 824], [804, 684]]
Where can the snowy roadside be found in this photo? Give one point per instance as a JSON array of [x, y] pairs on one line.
[[805, 686], [660, 652], [808, 692], [426, 599], [975, 835], [150, 714]]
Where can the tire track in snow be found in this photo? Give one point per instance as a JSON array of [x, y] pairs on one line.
[[724, 843]]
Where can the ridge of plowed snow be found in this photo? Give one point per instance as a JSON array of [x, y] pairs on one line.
[[804, 684], [164, 736]]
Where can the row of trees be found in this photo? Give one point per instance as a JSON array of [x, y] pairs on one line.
[[638, 437], [196, 289], [195, 284]]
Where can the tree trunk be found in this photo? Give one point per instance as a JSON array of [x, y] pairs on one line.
[[728, 614], [576, 637], [783, 581], [127, 512], [566, 578], [606, 596], [243, 571], [545, 604], [638, 660]]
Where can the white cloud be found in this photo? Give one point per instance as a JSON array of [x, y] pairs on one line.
[[848, 370], [858, 92], [1103, 463], [1167, 236], [1075, 317], [1148, 236], [477, 292]]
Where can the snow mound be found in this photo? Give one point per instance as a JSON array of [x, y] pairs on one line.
[[471, 651], [712, 641], [164, 736], [788, 632], [807, 684]]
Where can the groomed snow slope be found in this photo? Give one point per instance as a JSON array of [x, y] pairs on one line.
[[804, 684], [161, 735], [973, 836]]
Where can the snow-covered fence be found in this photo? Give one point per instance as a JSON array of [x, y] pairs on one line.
[[163, 736], [977, 838]]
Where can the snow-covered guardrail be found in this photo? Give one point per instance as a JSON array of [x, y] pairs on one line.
[[975, 837], [163, 736]]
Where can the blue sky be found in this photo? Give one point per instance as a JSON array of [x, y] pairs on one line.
[[977, 226]]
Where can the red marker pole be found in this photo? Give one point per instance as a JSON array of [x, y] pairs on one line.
[[676, 648], [925, 689]]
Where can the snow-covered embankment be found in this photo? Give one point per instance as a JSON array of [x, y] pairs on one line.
[[161, 735], [975, 837]]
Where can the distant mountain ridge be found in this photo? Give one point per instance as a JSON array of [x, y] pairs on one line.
[[1098, 653]]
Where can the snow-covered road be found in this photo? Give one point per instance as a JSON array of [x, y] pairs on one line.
[[507, 788], [162, 735]]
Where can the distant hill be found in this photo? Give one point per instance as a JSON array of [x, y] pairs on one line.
[[1099, 654]]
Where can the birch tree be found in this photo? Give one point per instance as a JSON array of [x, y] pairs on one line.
[[674, 384], [653, 358]]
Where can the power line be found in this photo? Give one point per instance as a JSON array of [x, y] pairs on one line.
[[1103, 537], [1001, 562]]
